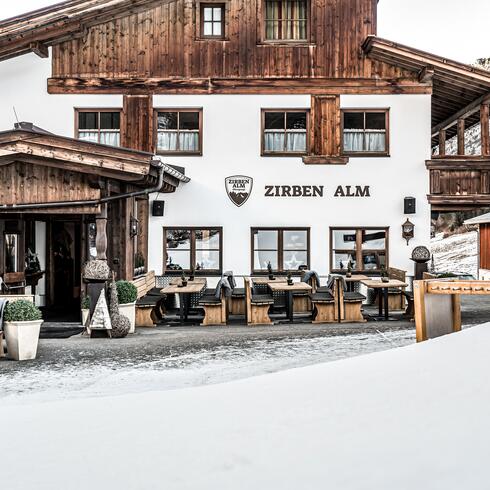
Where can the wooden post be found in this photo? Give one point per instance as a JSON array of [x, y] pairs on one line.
[[461, 130], [442, 142], [101, 239], [485, 129], [419, 305]]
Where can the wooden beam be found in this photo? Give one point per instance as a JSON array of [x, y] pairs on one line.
[[461, 135], [485, 129], [442, 142], [426, 75], [40, 49]]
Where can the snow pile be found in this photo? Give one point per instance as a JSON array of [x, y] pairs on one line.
[[456, 253], [415, 417]]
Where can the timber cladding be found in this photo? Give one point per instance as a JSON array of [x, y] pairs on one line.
[[161, 43]]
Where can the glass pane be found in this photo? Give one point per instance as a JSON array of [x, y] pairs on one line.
[[341, 261], [87, 120], [189, 141], [167, 141], [353, 120], [11, 252], [296, 141], [167, 120], [216, 28], [179, 239], [375, 120], [293, 260], [207, 239], [189, 120], [110, 138], [208, 13], [274, 141], [262, 258], [274, 120], [109, 120], [375, 142], [208, 29], [374, 239], [296, 120], [373, 261], [217, 13], [207, 259], [344, 239], [92, 236], [295, 240], [265, 240], [354, 140], [178, 260]]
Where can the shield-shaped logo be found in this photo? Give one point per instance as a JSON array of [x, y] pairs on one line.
[[239, 188]]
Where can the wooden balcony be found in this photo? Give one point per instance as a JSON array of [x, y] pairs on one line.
[[459, 181]]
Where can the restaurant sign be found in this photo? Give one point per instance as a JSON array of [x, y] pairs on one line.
[[239, 188]]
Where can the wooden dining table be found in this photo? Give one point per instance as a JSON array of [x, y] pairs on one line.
[[184, 293], [280, 286], [353, 279], [384, 286]]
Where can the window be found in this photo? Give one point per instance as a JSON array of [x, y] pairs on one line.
[[99, 126], [284, 132], [287, 249], [11, 252], [198, 247], [213, 20], [286, 20], [179, 131], [366, 132], [365, 248]]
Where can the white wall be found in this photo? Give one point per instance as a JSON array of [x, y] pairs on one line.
[[231, 146]]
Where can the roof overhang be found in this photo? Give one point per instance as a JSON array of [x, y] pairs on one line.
[[455, 85]]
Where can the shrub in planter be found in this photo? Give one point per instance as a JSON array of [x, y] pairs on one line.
[[22, 326], [127, 294]]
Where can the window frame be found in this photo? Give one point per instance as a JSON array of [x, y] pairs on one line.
[[365, 154], [99, 110], [358, 249], [178, 110], [192, 251], [280, 249], [300, 154], [263, 28], [200, 20]]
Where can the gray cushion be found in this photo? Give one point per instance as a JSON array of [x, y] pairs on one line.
[[262, 299], [322, 298], [354, 297], [209, 299], [238, 293]]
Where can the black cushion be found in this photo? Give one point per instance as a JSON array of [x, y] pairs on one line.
[[154, 292], [322, 298], [354, 297], [323, 289], [238, 293], [394, 291], [209, 299], [262, 299]]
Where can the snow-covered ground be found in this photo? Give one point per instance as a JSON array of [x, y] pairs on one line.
[[456, 253], [414, 417], [80, 378]]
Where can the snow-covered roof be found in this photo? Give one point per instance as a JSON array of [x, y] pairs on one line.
[[479, 220]]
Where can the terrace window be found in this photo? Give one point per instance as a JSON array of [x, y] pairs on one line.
[[366, 132], [99, 126], [286, 20], [212, 21], [179, 131], [284, 132], [197, 247], [365, 248], [287, 249]]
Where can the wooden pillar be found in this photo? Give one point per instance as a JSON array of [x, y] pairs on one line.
[[461, 130], [442, 142], [485, 129], [101, 239]]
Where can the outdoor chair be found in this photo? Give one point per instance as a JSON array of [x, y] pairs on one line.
[[14, 283], [214, 304], [324, 304], [349, 306], [237, 302], [257, 306], [301, 299], [396, 296]]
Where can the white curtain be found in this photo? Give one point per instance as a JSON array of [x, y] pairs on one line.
[[360, 141], [110, 138], [189, 141], [296, 141], [274, 141], [167, 140], [92, 136], [353, 140], [375, 142]]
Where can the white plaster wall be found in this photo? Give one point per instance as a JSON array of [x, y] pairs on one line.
[[231, 146]]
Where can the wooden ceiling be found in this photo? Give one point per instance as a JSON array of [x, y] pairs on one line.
[[455, 85]]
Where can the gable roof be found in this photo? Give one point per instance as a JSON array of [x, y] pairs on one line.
[[455, 85], [36, 30]]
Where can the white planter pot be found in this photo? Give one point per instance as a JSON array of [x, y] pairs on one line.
[[22, 339], [129, 311], [85, 314]]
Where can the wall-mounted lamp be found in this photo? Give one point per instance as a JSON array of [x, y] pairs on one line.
[[408, 230], [134, 227]]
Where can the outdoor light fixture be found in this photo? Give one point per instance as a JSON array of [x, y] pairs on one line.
[[408, 230], [134, 227]]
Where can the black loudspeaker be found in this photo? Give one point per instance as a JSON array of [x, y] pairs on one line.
[[410, 205], [157, 208]]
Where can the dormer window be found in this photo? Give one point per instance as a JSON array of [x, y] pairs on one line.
[[212, 20], [286, 20]]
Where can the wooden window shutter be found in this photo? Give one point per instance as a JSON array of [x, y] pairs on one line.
[[137, 122], [325, 132]]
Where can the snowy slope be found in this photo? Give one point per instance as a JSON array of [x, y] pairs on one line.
[[456, 253], [404, 419]]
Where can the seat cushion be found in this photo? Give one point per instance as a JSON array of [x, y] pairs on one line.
[[322, 298], [264, 299], [148, 301], [354, 297], [209, 300], [394, 291], [154, 292], [238, 293], [324, 289]]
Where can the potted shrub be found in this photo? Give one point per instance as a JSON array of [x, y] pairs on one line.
[[270, 271], [139, 264], [349, 269], [22, 326], [85, 307], [290, 278], [183, 280], [127, 294]]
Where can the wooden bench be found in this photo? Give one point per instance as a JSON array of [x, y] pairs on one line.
[[323, 304], [257, 306], [215, 311], [147, 305], [396, 297], [237, 302]]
